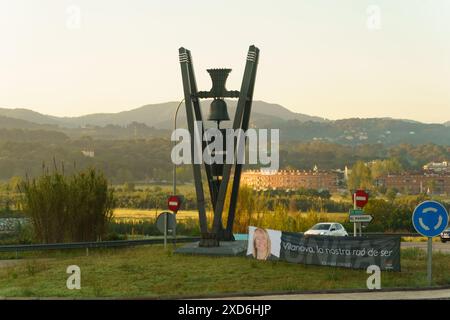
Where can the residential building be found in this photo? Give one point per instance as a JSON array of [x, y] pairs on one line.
[[415, 183], [437, 167], [292, 179]]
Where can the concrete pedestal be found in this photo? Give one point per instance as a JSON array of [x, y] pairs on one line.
[[226, 248]]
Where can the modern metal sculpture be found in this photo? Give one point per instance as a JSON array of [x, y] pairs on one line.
[[218, 175]]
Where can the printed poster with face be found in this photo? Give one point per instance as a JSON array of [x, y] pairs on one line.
[[264, 244], [336, 251]]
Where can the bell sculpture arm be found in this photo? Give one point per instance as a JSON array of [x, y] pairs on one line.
[[218, 175], [241, 121], [193, 115]]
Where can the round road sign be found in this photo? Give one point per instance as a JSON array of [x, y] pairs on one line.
[[361, 198], [171, 222], [174, 203], [430, 218]]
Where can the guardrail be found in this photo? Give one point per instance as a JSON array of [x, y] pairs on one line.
[[89, 245], [390, 234], [131, 243]]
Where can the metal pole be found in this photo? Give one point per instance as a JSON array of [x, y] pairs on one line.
[[175, 171], [354, 208], [430, 256], [165, 230], [175, 231], [174, 165]]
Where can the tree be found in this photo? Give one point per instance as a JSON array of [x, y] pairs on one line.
[[380, 168], [391, 194], [382, 213], [360, 177]]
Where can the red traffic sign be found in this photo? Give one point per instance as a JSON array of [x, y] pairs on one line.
[[174, 203], [360, 197]]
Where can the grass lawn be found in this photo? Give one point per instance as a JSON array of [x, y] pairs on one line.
[[151, 271]]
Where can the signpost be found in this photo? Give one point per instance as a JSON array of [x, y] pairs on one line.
[[429, 219], [361, 218], [166, 221], [360, 199], [353, 212], [174, 204]]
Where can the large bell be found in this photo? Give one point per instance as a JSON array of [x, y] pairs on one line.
[[218, 111]]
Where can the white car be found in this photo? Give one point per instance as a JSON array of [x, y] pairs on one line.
[[327, 229]]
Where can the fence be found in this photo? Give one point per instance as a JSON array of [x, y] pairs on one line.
[[131, 243], [89, 245]]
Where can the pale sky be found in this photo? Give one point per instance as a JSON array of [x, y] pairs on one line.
[[318, 57]]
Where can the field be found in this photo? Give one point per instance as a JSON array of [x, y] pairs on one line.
[[151, 271], [140, 222], [124, 214]]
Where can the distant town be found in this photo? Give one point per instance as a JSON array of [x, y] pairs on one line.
[[434, 178]]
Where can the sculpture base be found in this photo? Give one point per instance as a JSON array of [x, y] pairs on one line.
[[209, 240], [209, 243], [226, 248]]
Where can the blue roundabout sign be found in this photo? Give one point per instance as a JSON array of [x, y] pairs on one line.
[[430, 218]]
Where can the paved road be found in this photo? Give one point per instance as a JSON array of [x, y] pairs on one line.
[[437, 246], [389, 295]]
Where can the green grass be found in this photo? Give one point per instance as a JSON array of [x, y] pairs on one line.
[[151, 271], [419, 239]]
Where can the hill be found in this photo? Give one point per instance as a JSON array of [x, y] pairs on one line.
[[155, 120], [17, 123], [154, 115], [29, 115], [365, 131]]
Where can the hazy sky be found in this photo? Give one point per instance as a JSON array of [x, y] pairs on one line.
[[319, 57]]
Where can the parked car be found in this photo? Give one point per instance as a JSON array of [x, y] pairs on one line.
[[328, 229], [445, 235]]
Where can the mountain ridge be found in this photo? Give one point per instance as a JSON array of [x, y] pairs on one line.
[[156, 115], [156, 120], [160, 115]]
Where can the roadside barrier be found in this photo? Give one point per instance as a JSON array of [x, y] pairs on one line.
[[89, 245]]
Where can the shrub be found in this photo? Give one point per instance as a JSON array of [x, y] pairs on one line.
[[73, 208]]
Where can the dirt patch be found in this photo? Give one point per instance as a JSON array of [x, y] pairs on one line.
[[437, 246], [9, 263]]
